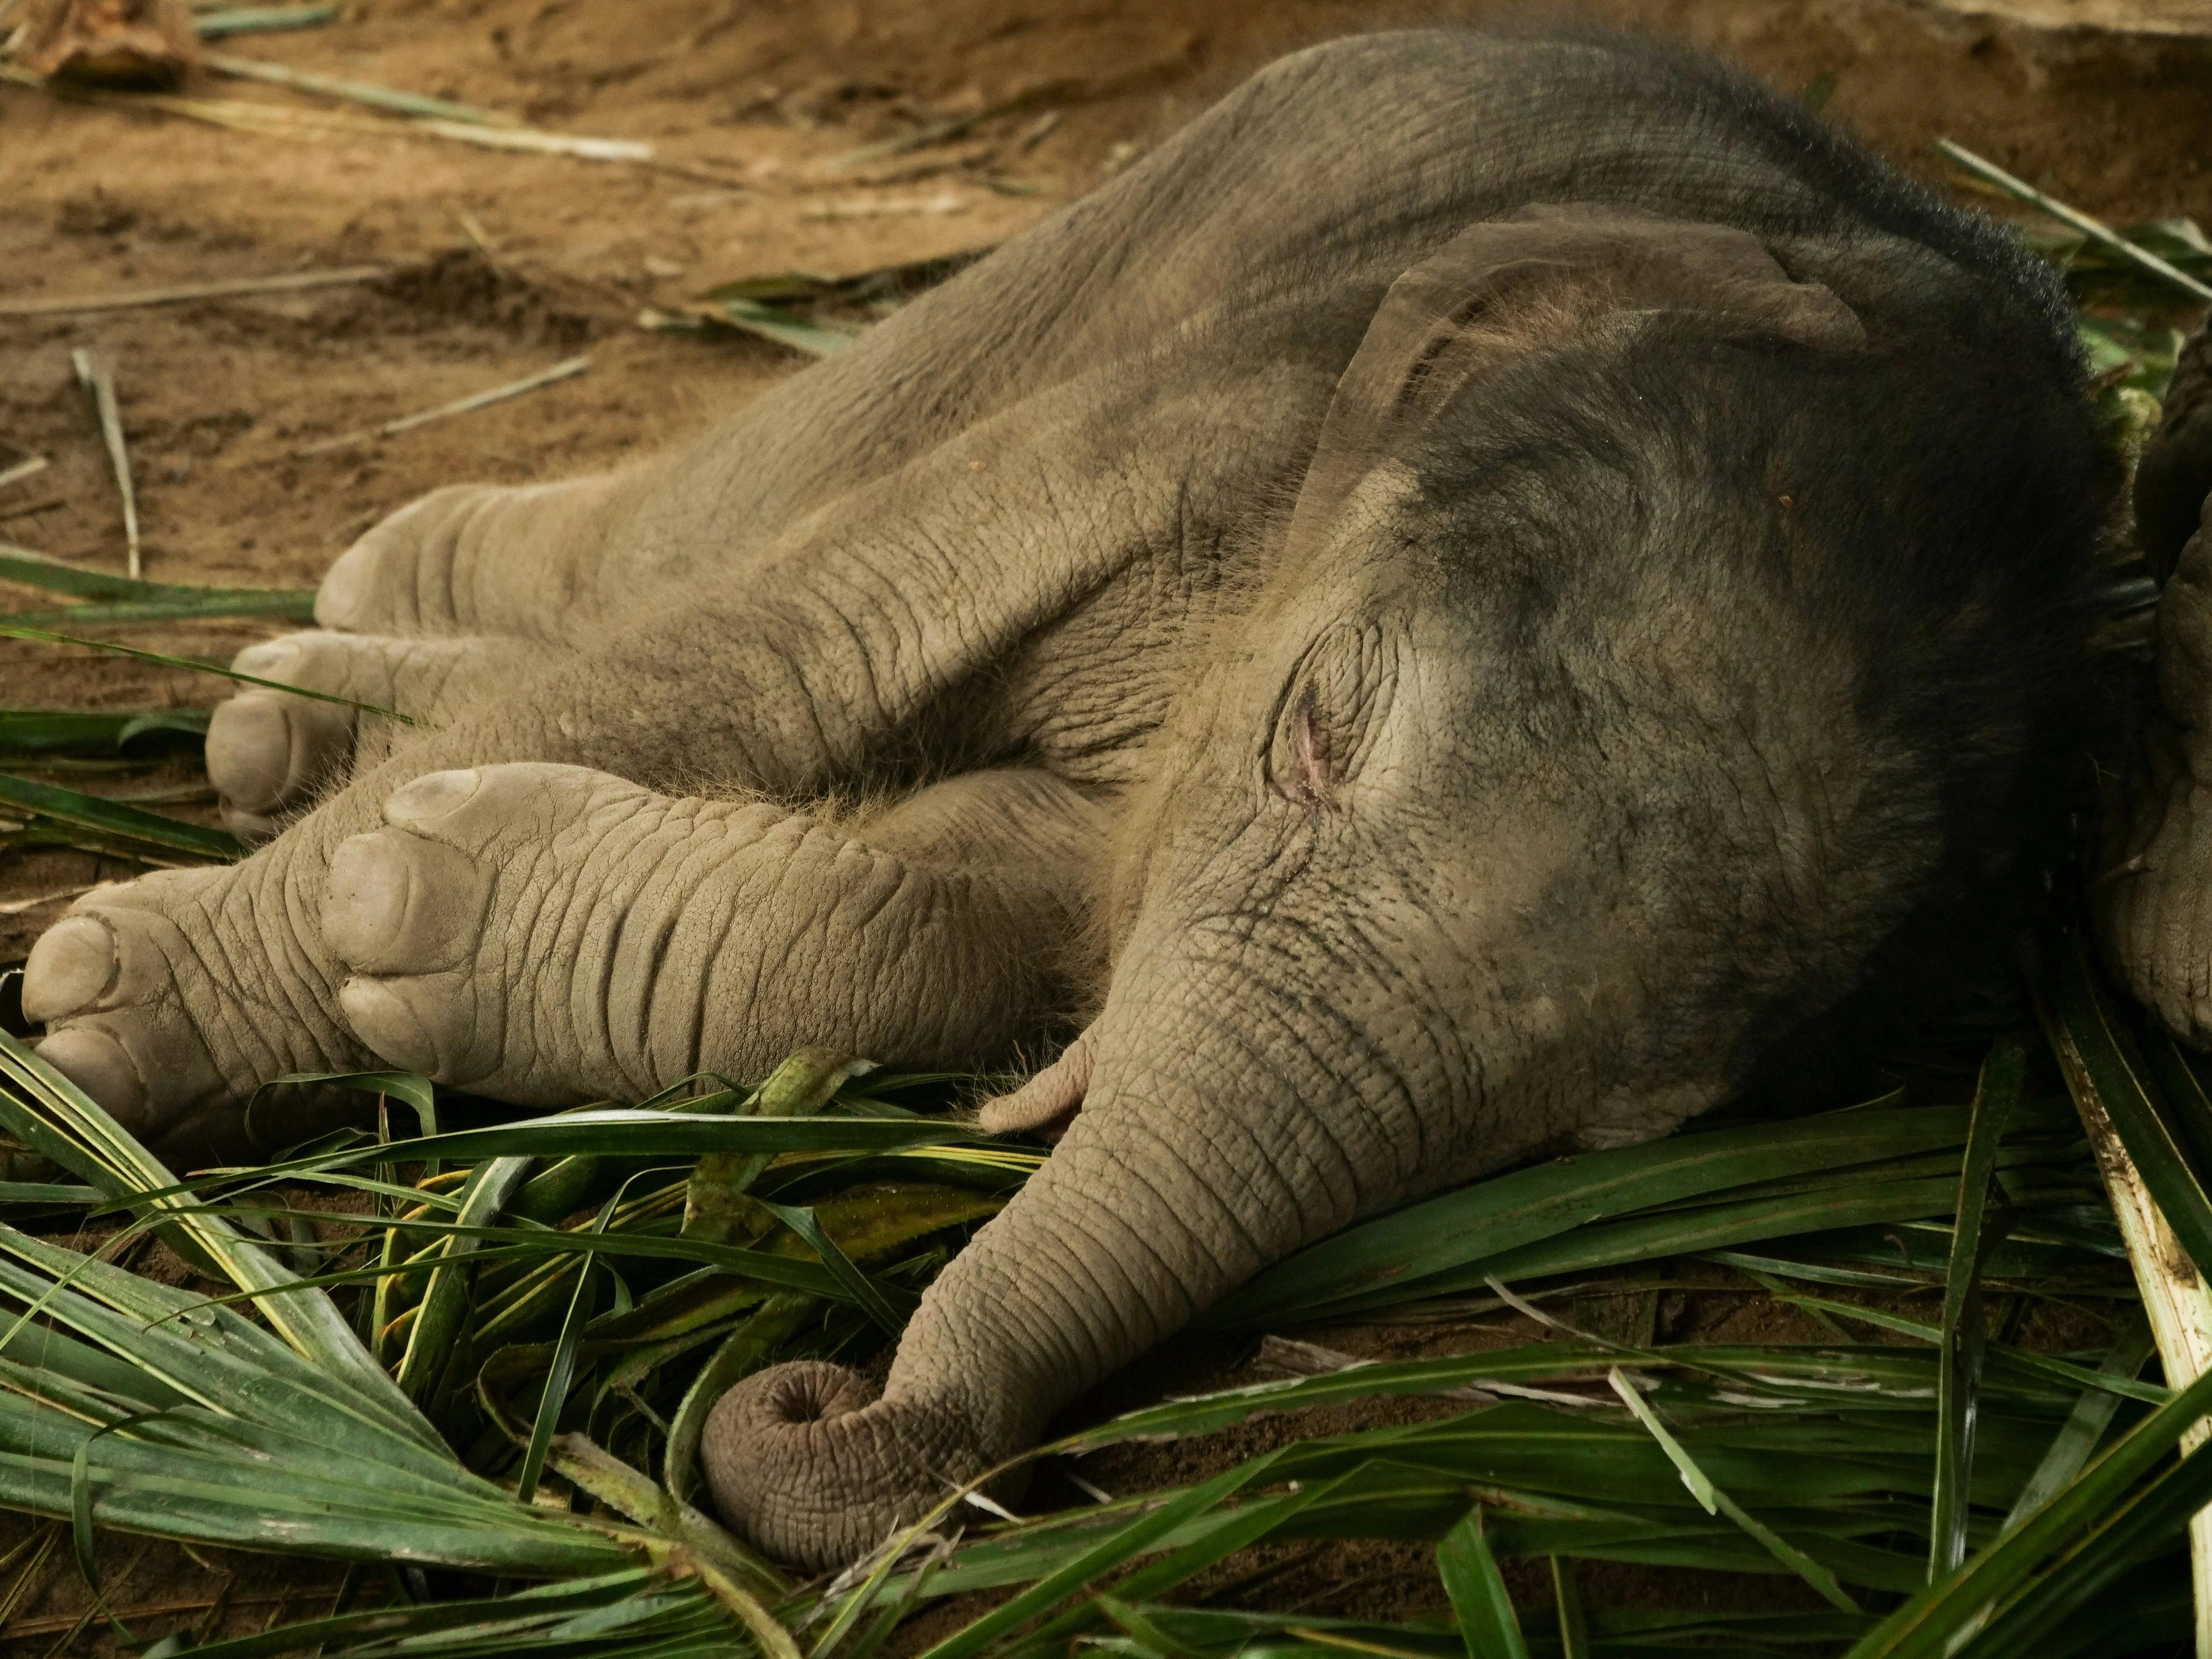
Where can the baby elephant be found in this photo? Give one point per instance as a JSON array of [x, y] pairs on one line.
[[1437, 617]]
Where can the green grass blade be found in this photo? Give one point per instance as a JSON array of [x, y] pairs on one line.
[[25, 568], [629, 1133], [1488, 1623], [888, 1305], [525, 1610], [115, 822], [1925, 1626], [1480, 1224], [13, 630], [1248, 1525], [2151, 1522], [1717, 1501], [1124, 1545], [89, 734], [1566, 1597], [558, 1377], [53, 1112], [412, 1087], [47, 1192], [2085, 1425], [2088, 1020], [2183, 1092], [766, 1266], [217, 606], [260, 20], [438, 1322], [1964, 1333]]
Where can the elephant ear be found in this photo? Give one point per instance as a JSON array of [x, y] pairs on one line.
[[1542, 277]]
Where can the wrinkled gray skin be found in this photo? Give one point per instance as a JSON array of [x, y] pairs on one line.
[[2154, 901], [1369, 644]]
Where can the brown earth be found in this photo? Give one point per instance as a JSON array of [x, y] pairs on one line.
[[505, 263]]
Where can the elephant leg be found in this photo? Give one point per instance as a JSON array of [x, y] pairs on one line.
[[548, 935], [171, 999], [2176, 473], [2155, 900]]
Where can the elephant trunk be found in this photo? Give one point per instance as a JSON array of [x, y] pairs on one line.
[[1193, 1165]]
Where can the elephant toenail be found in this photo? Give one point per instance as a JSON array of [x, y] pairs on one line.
[[381, 1019], [249, 751], [365, 904], [97, 1064], [423, 802], [399, 903], [73, 966], [341, 601], [269, 660]]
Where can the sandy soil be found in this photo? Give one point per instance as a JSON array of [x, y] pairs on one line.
[[503, 264]]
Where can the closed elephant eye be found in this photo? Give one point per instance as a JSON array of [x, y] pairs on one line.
[[1327, 710], [1304, 777]]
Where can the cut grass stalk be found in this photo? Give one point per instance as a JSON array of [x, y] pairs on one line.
[[260, 20], [97, 376], [2095, 229], [25, 906], [41, 636], [22, 470], [356, 92], [751, 317], [2169, 1269], [293, 282], [269, 120], [499, 394]]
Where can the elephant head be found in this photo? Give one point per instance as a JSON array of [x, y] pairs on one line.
[[1650, 644]]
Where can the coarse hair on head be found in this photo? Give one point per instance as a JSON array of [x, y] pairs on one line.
[[1673, 512]]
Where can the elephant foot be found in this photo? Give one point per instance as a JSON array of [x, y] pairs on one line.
[[2175, 476], [478, 559], [270, 754], [810, 1464], [546, 933], [172, 997], [2154, 900]]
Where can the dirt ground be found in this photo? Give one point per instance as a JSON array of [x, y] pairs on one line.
[[503, 264]]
